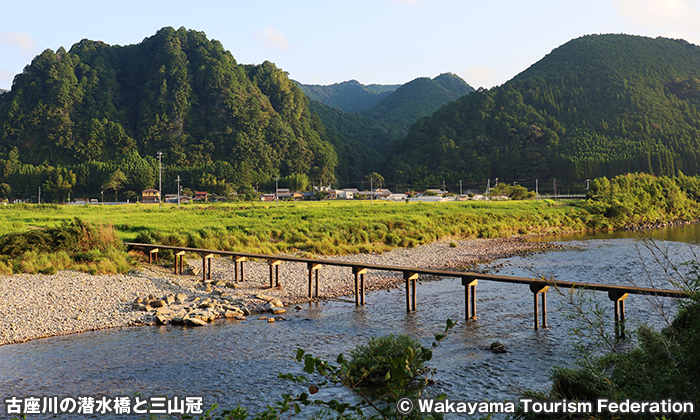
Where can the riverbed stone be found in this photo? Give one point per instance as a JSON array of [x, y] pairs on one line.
[[157, 303], [195, 322], [276, 302], [497, 347]]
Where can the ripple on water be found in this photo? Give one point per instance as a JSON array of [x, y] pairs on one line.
[[234, 362]]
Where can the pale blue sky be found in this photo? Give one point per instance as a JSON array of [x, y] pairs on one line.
[[328, 41]]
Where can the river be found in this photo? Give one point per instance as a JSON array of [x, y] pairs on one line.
[[237, 362]]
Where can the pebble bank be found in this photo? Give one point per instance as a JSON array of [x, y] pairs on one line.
[[37, 306]]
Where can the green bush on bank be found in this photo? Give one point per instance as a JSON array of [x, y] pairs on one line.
[[371, 363]]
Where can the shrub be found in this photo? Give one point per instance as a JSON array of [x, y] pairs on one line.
[[371, 362]]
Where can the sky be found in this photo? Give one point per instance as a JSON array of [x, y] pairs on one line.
[[486, 42]]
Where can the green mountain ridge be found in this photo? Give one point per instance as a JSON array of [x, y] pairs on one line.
[[417, 98], [361, 138], [599, 105], [175, 92], [349, 96]]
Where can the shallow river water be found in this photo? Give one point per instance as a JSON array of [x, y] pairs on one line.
[[237, 362]]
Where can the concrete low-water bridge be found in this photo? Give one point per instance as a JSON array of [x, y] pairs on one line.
[[537, 286]]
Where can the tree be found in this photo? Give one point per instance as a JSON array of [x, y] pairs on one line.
[[115, 182], [60, 181], [296, 182], [375, 180]]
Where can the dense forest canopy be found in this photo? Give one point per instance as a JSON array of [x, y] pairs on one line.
[[176, 92], [361, 138], [599, 105]]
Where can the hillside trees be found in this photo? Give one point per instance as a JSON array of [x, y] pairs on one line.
[[596, 106], [177, 92]]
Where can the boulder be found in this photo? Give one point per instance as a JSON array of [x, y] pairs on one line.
[[276, 303], [194, 270], [181, 297], [169, 300], [231, 314], [195, 322], [157, 303], [278, 311], [164, 310], [270, 320], [162, 319], [231, 285], [497, 347]]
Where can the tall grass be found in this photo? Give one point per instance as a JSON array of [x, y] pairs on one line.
[[73, 244], [326, 228]]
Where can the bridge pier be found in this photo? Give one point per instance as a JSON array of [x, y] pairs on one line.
[[313, 267], [359, 285], [276, 265], [411, 281], [618, 299], [237, 260], [153, 252], [469, 297], [536, 289], [179, 262], [206, 266]]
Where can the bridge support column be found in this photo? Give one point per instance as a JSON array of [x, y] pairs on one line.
[[237, 260], [206, 266], [179, 262], [469, 297], [359, 273], [276, 265], [536, 289], [313, 267], [618, 299], [411, 283], [152, 255]]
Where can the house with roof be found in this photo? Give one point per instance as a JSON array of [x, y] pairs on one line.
[[150, 196]]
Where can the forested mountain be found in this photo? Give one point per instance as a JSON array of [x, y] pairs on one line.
[[175, 92], [359, 142], [417, 98], [598, 105], [361, 138], [350, 96]]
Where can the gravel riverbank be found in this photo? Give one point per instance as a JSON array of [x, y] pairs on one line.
[[37, 306]]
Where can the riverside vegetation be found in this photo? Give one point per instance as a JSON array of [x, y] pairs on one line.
[[337, 227]]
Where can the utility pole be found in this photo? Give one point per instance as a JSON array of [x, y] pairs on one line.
[[39, 201], [488, 190], [537, 188], [371, 192], [160, 180], [554, 186], [460, 187], [178, 191], [103, 196], [588, 184], [277, 197], [443, 186]]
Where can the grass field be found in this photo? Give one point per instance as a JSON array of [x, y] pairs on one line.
[[327, 227]]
